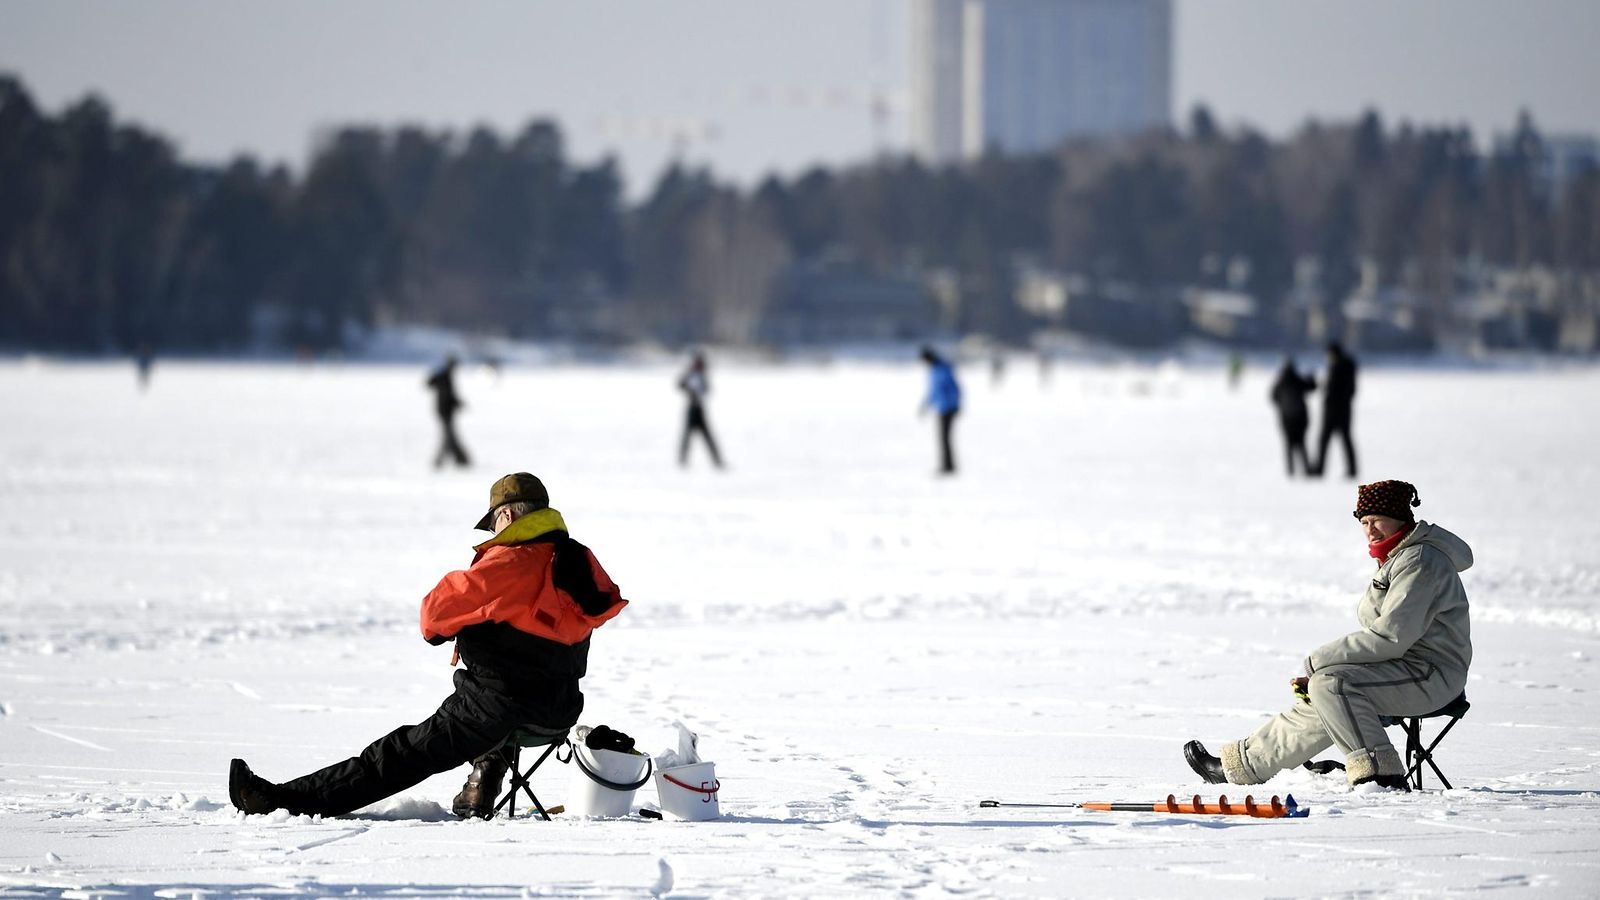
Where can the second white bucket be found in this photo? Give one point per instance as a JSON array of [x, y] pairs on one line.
[[689, 793], [604, 781]]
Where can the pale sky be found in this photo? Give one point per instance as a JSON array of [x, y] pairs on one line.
[[748, 86]]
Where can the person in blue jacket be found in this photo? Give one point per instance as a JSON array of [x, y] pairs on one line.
[[944, 397]]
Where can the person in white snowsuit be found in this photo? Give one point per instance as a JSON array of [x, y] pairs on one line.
[[1409, 657]]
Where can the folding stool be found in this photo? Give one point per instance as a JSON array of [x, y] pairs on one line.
[[531, 737], [1416, 753]]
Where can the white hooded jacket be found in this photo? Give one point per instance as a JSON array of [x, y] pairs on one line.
[[1414, 609]]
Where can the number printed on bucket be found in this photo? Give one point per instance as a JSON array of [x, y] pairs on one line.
[[689, 793]]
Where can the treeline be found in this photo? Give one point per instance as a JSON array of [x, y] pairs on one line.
[[109, 242]]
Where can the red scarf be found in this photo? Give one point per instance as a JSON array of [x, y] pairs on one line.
[[1380, 550]]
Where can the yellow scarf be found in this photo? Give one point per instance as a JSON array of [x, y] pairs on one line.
[[536, 524]]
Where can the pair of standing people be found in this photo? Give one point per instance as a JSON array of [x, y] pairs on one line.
[[1288, 394], [694, 383], [944, 398]]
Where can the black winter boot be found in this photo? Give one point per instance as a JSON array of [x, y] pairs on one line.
[[250, 792], [477, 796], [1204, 764]]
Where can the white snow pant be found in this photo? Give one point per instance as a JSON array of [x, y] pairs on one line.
[[1346, 702]]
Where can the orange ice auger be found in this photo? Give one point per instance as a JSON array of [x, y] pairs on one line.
[[1272, 809]]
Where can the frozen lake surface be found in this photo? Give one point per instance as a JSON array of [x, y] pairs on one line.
[[230, 563]]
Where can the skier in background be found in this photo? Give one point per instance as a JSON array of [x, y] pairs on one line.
[[1409, 657], [446, 402], [944, 398], [521, 616], [695, 385], [1338, 395], [1289, 396]]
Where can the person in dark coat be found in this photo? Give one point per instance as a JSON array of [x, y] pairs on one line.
[[1289, 396], [1338, 395], [695, 385], [944, 398], [144, 359], [521, 617], [446, 402]]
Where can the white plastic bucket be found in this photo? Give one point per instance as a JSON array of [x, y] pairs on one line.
[[689, 793], [604, 781]]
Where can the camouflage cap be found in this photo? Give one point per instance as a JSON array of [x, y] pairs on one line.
[[518, 487]]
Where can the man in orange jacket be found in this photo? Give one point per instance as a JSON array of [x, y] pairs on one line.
[[521, 616]]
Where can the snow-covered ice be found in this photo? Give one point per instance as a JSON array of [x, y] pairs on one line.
[[230, 565]]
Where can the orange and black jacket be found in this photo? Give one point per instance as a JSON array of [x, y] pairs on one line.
[[522, 613]]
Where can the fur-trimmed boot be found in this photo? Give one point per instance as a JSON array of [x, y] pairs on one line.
[[1381, 768], [477, 796]]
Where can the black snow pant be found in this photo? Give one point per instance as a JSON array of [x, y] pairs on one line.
[[1341, 426], [450, 447], [947, 454], [472, 721], [695, 421], [1294, 443]]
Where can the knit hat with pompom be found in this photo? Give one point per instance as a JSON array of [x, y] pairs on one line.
[[1387, 498]]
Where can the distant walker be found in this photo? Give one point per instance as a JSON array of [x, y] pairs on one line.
[[446, 402], [944, 398], [695, 385], [1338, 398], [1289, 396]]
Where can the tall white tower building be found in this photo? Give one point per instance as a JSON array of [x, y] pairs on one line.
[[1021, 75]]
